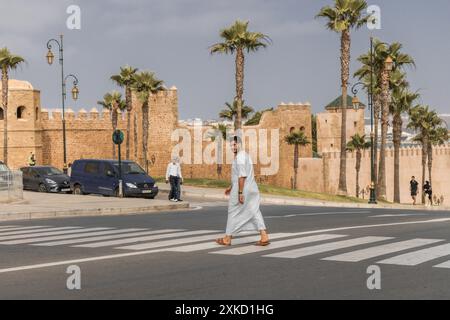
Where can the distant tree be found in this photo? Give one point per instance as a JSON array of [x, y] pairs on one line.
[[358, 144], [231, 111], [296, 139]]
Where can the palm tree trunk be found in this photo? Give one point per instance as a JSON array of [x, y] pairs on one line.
[[345, 74], [296, 155], [5, 113], [129, 109], [114, 126], [358, 169], [397, 132], [240, 64], [376, 109], [430, 163], [145, 125], [424, 163], [135, 136], [384, 129]]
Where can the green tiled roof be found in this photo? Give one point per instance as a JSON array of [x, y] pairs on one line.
[[337, 103]]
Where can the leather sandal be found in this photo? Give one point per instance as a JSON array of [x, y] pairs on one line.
[[222, 242], [262, 243]]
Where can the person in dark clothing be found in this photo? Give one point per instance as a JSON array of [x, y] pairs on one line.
[[428, 191], [414, 187]]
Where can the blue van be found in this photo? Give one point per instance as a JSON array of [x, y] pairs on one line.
[[91, 176]]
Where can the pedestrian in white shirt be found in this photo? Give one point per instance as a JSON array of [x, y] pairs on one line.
[[174, 176]]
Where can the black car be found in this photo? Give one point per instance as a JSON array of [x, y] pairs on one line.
[[45, 179]]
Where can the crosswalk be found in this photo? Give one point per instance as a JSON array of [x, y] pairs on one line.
[[329, 247]]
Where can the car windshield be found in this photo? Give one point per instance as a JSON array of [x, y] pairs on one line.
[[49, 171], [129, 168], [3, 168]]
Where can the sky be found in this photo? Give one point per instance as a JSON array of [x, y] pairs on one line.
[[172, 37]]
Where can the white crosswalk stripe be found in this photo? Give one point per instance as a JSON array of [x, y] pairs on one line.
[[238, 241], [168, 243], [327, 247], [101, 238], [85, 233], [6, 227], [19, 228], [278, 244], [373, 252], [418, 257], [53, 233], [142, 239], [2, 235]]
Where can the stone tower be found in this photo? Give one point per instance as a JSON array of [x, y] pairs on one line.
[[23, 124]]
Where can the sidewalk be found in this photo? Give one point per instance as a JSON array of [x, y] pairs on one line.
[[218, 194], [45, 205]]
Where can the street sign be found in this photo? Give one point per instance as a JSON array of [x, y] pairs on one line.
[[118, 137]]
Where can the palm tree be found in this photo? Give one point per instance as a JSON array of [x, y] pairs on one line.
[[364, 74], [342, 18], [125, 80], [113, 102], [256, 117], [423, 121], [400, 60], [438, 136], [230, 112], [358, 143], [401, 103], [145, 84], [296, 139], [8, 62], [220, 131], [237, 39]]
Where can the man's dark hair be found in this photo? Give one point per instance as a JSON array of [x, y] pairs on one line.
[[237, 139]]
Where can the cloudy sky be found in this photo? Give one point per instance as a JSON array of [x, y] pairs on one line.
[[171, 38]]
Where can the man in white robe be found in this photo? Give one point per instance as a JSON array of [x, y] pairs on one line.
[[243, 208]]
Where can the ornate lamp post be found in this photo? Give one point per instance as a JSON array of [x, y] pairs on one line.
[[75, 91]]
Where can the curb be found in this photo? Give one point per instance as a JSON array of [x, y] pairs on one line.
[[305, 203], [91, 212]]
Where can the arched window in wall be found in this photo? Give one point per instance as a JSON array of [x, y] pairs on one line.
[[2, 116], [21, 112], [37, 114]]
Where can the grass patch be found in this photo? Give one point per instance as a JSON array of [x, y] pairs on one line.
[[272, 190]]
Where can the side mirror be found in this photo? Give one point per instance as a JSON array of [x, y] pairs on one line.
[[109, 173]]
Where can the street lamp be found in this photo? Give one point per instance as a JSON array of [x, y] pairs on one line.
[[75, 91]]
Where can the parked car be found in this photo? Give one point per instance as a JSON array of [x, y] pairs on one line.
[[4, 176], [102, 177], [45, 179]]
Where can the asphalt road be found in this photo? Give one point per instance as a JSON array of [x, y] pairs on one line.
[[316, 253]]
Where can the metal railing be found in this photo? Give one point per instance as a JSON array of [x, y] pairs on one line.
[[11, 186]]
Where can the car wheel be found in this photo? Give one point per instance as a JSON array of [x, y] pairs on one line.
[[77, 190], [42, 188]]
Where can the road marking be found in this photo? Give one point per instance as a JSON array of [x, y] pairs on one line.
[[445, 265], [125, 255], [18, 228], [418, 257], [278, 244], [142, 239], [35, 230], [67, 236], [25, 236], [398, 215], [168, 243], [6, 227], [369, 253], [309, 251], [315, 214], [120, 236], [213, 245]]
